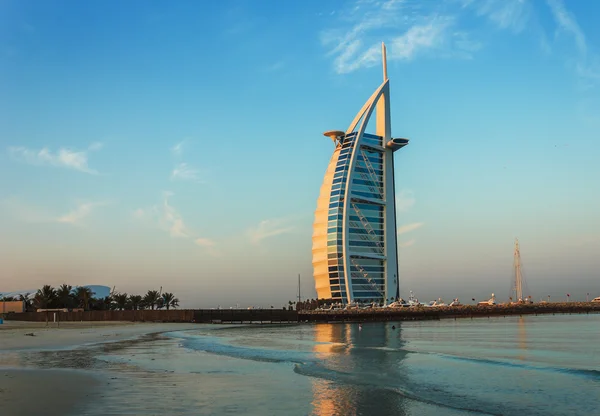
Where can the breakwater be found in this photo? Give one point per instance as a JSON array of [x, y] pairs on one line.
[[446, 312], [243, 316]]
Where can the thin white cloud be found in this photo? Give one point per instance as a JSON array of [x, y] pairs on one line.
[[506, 14], [409, 227], [209, 245], [407, 243], [77, 216], [587, 65], [177, 150], [419, 37], [38, 215], [170, 220], [566, 22], [409, 28], [267, 229], [95, 146], [405, 200], [184, 172], [63, 157]]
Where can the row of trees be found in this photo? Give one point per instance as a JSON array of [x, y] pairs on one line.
[[308, 304], [68, 297]]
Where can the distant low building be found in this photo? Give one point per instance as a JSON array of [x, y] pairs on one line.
[[14, 306]]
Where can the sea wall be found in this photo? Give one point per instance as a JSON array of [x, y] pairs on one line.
[[282, 316], [174, 315], [447, 312], [162, 315]]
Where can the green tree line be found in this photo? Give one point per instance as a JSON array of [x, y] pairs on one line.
[[67, 297]]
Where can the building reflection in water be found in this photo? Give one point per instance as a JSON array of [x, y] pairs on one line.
[[361, 371]]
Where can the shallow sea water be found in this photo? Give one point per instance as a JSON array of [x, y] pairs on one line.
[[534, 365]]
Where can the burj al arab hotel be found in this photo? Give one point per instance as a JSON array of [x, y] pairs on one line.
[[355, 255]]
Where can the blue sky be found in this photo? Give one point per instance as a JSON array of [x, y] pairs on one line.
[[148, 144]]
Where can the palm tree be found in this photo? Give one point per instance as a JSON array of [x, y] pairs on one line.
[[135, 301], [121, 300], [83, 295], [44, 297], [169, 300], [151, 298], [63, 293], [25, 298]]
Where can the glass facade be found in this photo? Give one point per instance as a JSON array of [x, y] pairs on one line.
[[361, 162]]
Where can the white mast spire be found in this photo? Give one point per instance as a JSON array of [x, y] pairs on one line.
[[384, 58], [518, 275]]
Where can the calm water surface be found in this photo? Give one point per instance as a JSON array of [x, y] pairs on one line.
[[534, 365]]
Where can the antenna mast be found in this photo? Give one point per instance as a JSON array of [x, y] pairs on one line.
[[518, 273], [299, 297], [384, 58]]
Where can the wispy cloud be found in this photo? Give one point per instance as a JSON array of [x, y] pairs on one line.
[[177, 149], [413, 28], [506, 14], [82, 211], [407, 243], [182, 170], [170, 220], [408, 27], [566, 22], [405, 200], [587, 65], [185, 172], [409, 227], [95, 146], [209, 245], [29, 213], [63, 157], [267, 229]]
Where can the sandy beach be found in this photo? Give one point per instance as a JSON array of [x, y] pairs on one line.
[[27, 389]]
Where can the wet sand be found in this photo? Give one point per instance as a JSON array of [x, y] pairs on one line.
[[45, 392], [52, 370], [16, 335]]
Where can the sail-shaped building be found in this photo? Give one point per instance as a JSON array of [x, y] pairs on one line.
[[355, 255]]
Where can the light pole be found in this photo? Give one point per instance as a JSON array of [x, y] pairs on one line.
[[548, 298], [587, 297]]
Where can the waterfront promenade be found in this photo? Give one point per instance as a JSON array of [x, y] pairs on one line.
[[446, 312], [275, 316]]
